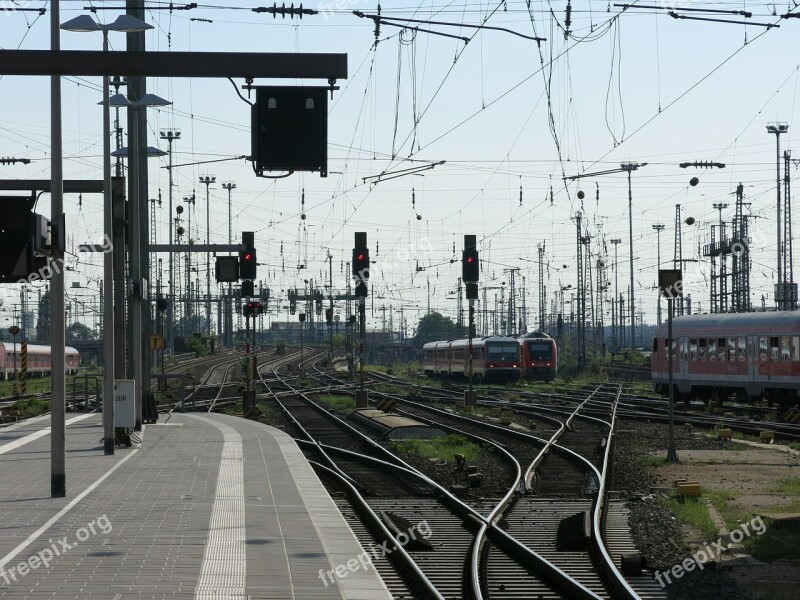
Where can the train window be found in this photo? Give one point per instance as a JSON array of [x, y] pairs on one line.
[[503, 352], [741, 348], [702, 349], [655, 345], [773, 349], [721, 352], [693, 349], [673, 347], [731, 348], [786, 348], [684, 349], [712, 348], [540, 351], [763, 352], [795, 348]]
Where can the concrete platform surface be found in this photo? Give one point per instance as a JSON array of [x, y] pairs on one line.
[[208, 506]]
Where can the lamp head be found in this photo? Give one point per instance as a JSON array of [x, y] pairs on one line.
[[81, 24], [128, 24]]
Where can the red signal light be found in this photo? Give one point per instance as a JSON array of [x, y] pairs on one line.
[[360, 257], [248, 256], [469, 259]]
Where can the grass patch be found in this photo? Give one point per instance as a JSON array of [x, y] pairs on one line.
[[725, 502], [693, 512], [444, 448], [654, 460], [789, 486], [781, 540], [337, 402], [32, 406], [794, 445], [737, 435]]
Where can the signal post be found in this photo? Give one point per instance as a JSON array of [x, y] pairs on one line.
[[470, 274], [670, 285], [361, 275]]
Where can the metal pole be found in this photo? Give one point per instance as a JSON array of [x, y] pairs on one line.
[[208, 180], [301, 347], [672, 455], [658, 227], [630, 247], [471, 326], [108, 278], [330, 323], [362, 308], [228, 318], [58, 477], [170, 135], [136, 273]]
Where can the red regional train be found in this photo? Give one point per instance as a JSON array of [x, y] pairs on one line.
[[38, 359], [493, 358], [747, 355], [539, 356]]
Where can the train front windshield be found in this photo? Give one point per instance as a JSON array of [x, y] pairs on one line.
[[503, 352], [540, 350]]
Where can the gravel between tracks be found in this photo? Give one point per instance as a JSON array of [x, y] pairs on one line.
[[653, 526]]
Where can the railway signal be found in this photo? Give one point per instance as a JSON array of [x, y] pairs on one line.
[[23, 240], [470, 262], [361, 263], [470, 273], [247, 257], [252, 309], [248, 289]]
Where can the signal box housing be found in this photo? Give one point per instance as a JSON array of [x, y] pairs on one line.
[[290, 129]]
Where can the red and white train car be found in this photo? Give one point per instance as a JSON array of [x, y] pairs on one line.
[[492, 358], [539, 356], [749, 355], [38, 359]]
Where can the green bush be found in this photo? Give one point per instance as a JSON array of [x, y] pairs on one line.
[[197, 345]]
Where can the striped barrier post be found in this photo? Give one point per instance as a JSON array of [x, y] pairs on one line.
[[23, 373]]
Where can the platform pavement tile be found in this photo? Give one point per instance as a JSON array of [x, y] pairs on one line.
[[308, 552], [127, 497]]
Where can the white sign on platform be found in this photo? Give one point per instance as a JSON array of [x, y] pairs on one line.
[[124, 403]]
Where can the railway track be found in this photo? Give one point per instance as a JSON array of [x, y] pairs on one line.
[[499, 573]]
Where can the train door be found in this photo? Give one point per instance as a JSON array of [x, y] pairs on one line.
[[683, 359], [752, 368]]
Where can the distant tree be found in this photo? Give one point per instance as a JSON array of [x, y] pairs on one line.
[[43, 321], [434, 327], [78, 332]]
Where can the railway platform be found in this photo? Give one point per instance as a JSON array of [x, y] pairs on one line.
[[207, 506]]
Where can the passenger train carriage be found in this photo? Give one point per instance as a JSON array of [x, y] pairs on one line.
[[749, 355], [492, 358], [539, 356], [38, 359]]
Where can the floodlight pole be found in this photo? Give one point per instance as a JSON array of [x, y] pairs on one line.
[[170, 135], [208, 180], [659, 227], [108, 276], [228, 320]]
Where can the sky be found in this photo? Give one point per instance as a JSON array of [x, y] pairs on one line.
[[509, 117]]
